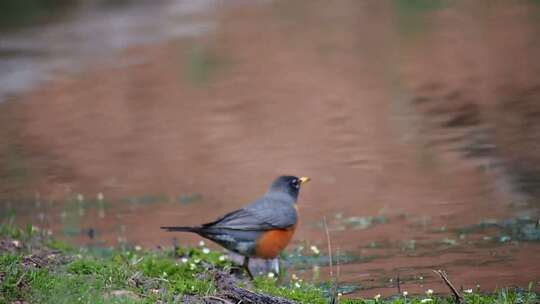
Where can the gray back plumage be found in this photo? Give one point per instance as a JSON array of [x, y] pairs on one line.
[[274, 210]]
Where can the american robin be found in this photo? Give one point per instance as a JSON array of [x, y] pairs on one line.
[[261, 229]]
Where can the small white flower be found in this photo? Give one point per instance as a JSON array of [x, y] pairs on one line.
[[138, 248], [205, 250], [184, 260], [314, 249], [294, 277], [201, 244], [192, 266], [377, 297], [405, 293], [222, 258], [467, 291], [426, 300], [339, 295], [80, 197], [297, 285], [164, 274], [429, 292], [156, 291], [100, 196], [35, 228], [271, 274], [197, 261], [16, 243]]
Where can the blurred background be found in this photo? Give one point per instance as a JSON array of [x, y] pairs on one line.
[[417, 120]]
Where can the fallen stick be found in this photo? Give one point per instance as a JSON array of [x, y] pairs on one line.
[[458, 297], [227, 289]]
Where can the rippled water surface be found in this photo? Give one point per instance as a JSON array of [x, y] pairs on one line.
[[418, 121]]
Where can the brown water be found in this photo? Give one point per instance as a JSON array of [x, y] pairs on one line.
[[413, 120]]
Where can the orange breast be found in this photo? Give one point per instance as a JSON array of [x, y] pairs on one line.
[[272, 242]]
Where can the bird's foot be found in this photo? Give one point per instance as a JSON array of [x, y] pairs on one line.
[[246, 267]]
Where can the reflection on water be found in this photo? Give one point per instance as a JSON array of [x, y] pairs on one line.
[[85, 32], [421, 137]]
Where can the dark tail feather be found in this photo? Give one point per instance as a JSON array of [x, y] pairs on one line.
[[186, 229]]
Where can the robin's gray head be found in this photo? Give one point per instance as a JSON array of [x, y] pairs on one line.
[[288, 184]]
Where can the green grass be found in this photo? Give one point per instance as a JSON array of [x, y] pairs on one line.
[[89, 275], [148, 277], [297, 291], [503, 296]]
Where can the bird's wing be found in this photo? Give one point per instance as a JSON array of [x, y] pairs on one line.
[[264, 214]]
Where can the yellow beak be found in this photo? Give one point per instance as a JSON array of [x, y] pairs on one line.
[[304, 179]]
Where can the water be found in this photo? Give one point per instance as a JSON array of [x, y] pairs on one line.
[[88, 32], [420, 136]]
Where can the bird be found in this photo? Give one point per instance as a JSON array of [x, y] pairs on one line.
[[261, 229]]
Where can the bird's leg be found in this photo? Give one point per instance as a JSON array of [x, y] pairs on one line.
[[277, 269], [273, 266], [246, 267], [276, 265]]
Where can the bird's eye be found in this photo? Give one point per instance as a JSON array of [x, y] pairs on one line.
[[294, 183]]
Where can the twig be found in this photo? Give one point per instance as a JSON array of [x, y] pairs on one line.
[[333, 298], [19, 281], [329, 247], [219, 299], [398, 284], [458, 297], [175, 247], [338, 272]]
